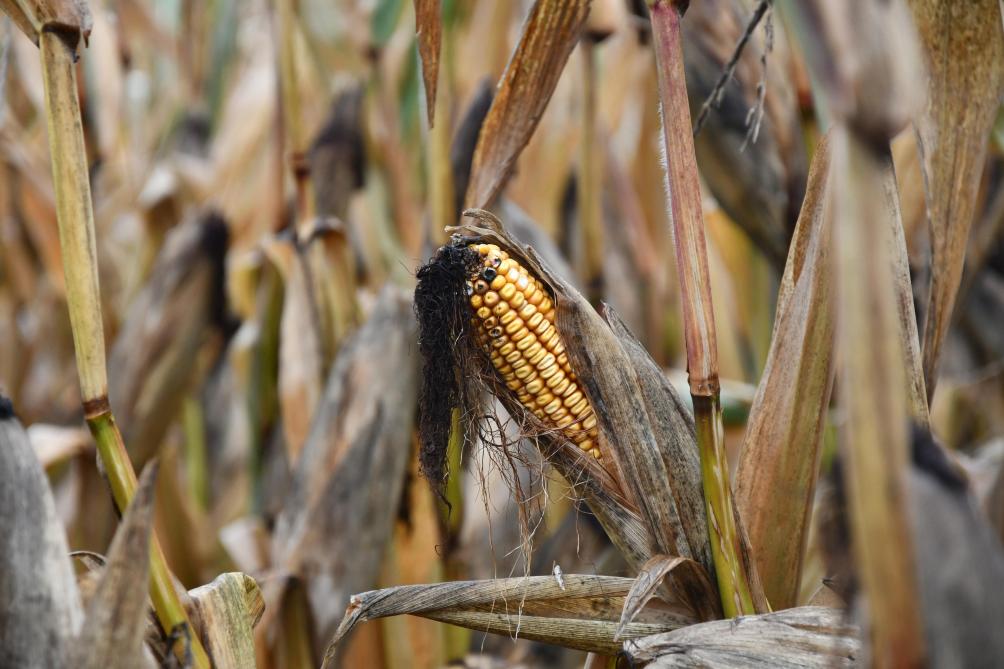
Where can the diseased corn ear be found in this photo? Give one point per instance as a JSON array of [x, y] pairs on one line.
[[644, 434]]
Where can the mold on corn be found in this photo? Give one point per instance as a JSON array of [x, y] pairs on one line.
[[514, 323]]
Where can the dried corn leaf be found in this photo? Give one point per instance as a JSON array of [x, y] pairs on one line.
[[549, 35], [964, 48], [579, 611], [112, 635], [808, 636], [226, 612], [779, 462], [41, 608], [332, 532], [429, 30]]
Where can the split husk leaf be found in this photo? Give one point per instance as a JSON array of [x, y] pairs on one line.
[[580, 611], [807, 636]]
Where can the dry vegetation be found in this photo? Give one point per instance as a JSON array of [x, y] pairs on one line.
[[248, 413]]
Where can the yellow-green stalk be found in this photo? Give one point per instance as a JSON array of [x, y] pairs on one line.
[[76, 234], [685, 214]]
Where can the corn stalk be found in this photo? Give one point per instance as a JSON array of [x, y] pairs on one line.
[[76, 234], [732, 567]]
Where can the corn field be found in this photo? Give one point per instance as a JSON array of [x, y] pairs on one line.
[[553, 333]]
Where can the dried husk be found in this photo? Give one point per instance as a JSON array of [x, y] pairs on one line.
[[65, 16], [226, 612], [429, 31], [579, 611], [806, 637], [42, 610], [331, 533]]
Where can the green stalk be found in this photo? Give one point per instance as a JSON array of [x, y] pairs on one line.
[[734, 572], [76, 235]]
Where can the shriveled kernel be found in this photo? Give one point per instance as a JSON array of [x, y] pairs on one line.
[[480, 286]]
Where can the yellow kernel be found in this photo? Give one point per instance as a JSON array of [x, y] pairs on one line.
[[534, 320], [526, 342], [514, 384], [547, 336], [548, 372], [587, 445], [533, 348], [545, 305], [507, 348], [516, 324], [518, 335], [527, 310], [580, 407], [553, 406], [535, 386], [522, 282], [561, 386], [484, 312], [508, 317], [497, 282], [535, 297], [544, 398], [524, 372], [507, 291], [537, 357], [590, 422], [542, 326], [514, 356], [573, 399], [483, 249], [491, 298], [500, 308], [512, 275], [517, 300], [503, 267], [476, 301], [556, 380]]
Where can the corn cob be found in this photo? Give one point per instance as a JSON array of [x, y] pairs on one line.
[[514, 324]]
